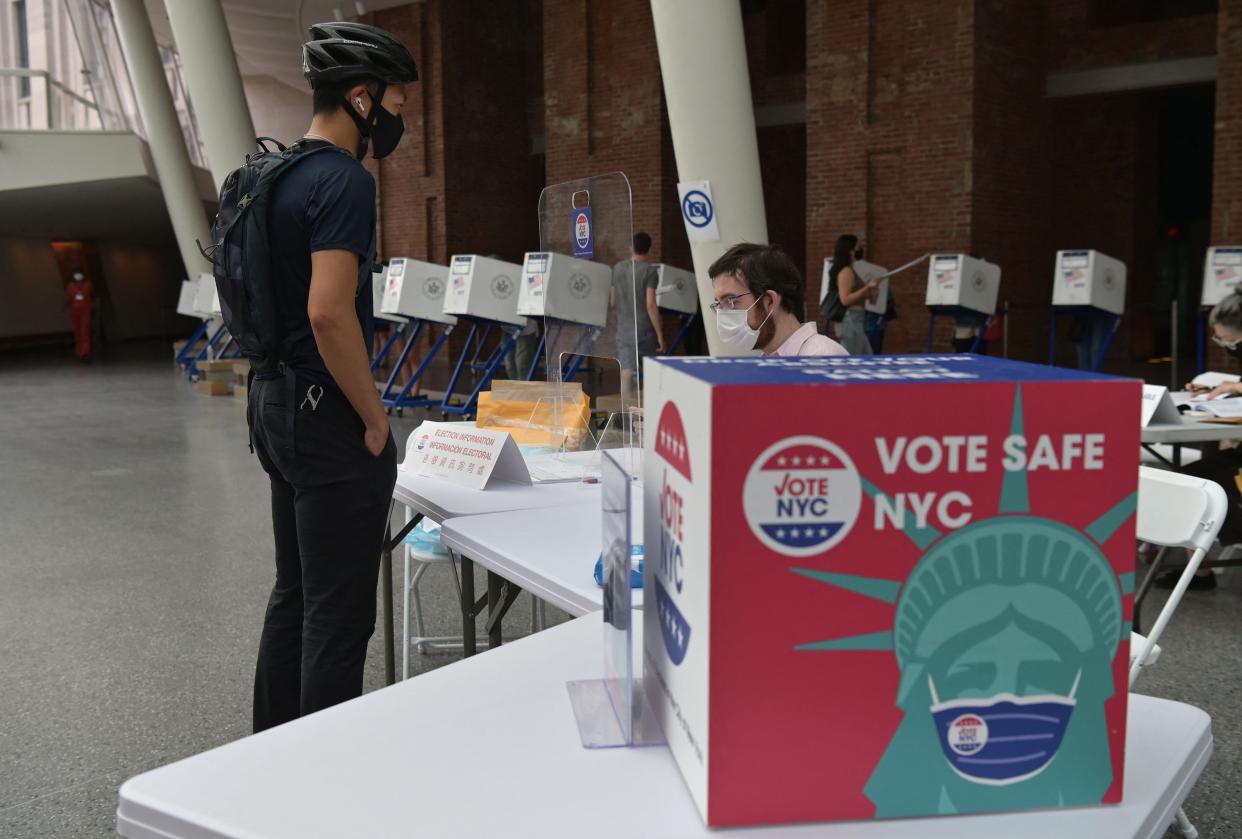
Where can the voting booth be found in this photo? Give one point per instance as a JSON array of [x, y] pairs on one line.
[[198, 298], [415, 290], [678, 292], [411, 293], [1091, 279], [484, 291], [1222, 268], [1090, 286], [483, 288], [964, 288], [558, 286], [187, 305], [924, 613]]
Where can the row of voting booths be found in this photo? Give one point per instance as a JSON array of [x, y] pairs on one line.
[[1087, 285], [559, 303], [570, 296], [560, 299]]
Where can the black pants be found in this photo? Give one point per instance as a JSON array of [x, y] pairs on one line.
[[330, 501]]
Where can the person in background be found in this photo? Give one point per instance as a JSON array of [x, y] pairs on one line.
[[760, 299], [1221, 466], [80, 299], [518, 362], [853, 293], [638, 314], [876, 323]]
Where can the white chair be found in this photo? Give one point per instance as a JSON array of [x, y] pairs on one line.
[[1174, 511]]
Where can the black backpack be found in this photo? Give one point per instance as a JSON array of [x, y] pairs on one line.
[[831, 308], [241, 257]]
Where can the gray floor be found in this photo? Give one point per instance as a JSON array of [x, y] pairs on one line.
[[134, 567], [135, 563]]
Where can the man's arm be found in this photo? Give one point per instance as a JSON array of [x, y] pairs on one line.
[[653, 312], [330, 307]]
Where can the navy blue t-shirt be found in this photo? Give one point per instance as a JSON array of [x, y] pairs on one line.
[[325, 202]]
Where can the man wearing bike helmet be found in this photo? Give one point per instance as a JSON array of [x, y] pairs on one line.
[[318, 426]]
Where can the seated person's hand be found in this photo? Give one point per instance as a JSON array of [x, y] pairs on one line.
[[1226, 389]]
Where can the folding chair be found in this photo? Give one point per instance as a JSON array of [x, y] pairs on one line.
[[1174, 511], [419, 556]]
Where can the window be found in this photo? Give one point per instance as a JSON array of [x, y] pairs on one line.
[[1103, 13], [23, 46]]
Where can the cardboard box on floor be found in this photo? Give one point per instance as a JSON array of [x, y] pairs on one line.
[[889, 586], [208, 387]]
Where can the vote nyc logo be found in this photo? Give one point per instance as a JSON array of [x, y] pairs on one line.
[[802, 496]]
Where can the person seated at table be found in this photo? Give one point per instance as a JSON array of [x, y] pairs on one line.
[[760, 301], [1221, 466]]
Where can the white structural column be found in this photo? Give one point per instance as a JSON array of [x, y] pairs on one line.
[[167, 145], [712, 120], [214, 82]]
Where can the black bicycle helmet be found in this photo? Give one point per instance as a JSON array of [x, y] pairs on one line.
[[344, 51]]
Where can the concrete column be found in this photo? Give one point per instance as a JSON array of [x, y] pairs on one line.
[[164, 138], [712, 121], [214, 83]]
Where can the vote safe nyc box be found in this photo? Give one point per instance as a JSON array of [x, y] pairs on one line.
[[414, 289], [1089, 278], [558, 286], [485, 288], [888, 586]]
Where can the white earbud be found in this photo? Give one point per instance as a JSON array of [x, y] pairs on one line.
[[358, 102]]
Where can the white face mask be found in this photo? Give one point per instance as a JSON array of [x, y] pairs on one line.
[[734, 330]]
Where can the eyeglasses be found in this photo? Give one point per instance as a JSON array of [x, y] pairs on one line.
[[1228, 345], [727, 303]]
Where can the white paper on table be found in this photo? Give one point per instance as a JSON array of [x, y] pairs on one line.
[[1185, 397], [1220, 407], [1212, 379], [464, 455]]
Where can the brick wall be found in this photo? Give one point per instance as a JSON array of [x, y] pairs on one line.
[[604, 101], [1227, 150], [1012, 210], [489, 206], [889, 139], [926, 129], [411, 180], [1074, 44]]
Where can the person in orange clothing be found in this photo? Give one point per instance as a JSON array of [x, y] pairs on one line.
[[81, 295]]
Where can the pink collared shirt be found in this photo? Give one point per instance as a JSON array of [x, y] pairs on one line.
[[808, 341]]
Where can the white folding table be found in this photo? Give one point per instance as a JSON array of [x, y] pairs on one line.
[[439, 501], [549, 552], [415, 759], [1188, 432]]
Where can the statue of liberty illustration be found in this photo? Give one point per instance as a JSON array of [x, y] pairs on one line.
[[1005, 633]]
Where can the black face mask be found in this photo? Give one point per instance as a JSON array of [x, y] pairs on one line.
[[382, 131], [1236, 352], [386, 131], [858, 254]]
